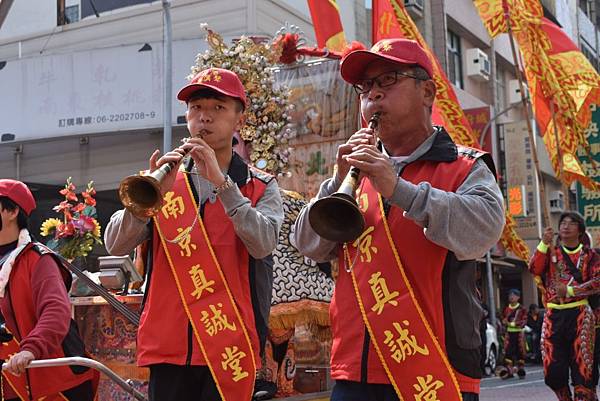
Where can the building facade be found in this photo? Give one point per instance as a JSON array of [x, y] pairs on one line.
[[83, 88]]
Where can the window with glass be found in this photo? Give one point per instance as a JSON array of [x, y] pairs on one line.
[[587, 7], [455, 71], [500, 90], [589, 53], [71, 14]]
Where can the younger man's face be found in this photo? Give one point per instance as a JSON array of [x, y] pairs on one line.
[[214, 119], [513, 298]]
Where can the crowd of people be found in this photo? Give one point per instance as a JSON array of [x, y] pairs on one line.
[[405, 313]]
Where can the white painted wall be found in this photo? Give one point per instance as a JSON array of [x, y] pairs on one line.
[[144, 23], [27, 17]]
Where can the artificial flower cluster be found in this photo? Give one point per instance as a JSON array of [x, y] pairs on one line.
[[77, 231], [268, 112]]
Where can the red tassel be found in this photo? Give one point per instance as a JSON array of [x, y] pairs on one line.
[[289, 47]]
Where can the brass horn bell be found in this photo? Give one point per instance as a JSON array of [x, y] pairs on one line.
[[337, 217], [141, 195]]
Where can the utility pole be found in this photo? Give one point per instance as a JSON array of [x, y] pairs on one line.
[[168, 77], [488, 254]]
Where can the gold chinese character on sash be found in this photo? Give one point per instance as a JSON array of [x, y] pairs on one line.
[[217, 322], [363, 202], [381, 293], [231, 360], [173, 205], [427, 388], [184, 240], [404, 344], [363, 244], [200, 282]]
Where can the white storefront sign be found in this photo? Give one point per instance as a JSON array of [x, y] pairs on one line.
[[101, 90]]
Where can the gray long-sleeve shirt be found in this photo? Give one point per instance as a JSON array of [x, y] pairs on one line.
[[467, 222], [258, 227]]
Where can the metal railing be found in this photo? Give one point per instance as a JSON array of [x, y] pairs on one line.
[[126, 385]]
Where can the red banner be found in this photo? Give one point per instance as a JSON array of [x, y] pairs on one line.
[[328, 25], [479, 118]]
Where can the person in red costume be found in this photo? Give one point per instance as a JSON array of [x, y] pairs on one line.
[[35, 310], [514, 319], [405, 313], [570, 271]]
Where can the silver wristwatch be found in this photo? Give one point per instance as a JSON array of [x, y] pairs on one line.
[[228, 183]]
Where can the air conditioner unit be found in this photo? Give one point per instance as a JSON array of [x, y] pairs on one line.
[[478, 64], [514, 91], [415, 7], [557, 202]]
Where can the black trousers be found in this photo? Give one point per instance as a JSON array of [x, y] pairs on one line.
[[356, 391], [181, 383], [83, 392], [514, 346], [568, 346]]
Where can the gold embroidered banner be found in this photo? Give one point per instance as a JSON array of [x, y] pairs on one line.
[[511, 240], [403, 338], [562, 82], [208, 302]]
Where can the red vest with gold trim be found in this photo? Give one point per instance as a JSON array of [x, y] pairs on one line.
[[423, 263], [163, 335], [43, 381]]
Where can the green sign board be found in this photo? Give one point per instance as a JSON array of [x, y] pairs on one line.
[[588, 202]]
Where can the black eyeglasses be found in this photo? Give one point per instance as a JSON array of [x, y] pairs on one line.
[[568, 223], [383, 81]]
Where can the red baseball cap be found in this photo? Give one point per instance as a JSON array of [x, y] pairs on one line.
[[400, 51], [219, 79], [18, 192]]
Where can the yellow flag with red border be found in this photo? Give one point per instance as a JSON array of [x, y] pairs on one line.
[[562, 82]]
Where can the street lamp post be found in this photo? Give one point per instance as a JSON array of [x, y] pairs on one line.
[[488, 254]]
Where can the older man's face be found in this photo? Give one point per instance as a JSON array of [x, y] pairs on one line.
[[403, 102]]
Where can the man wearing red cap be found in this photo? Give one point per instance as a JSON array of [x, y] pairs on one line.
[[405, 313], [35, 309], [200, 329]]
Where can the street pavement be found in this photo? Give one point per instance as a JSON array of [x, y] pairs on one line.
[[532, 388]]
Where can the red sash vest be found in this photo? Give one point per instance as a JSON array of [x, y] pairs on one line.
[[423, 263], [163, 335], [43, 381]]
